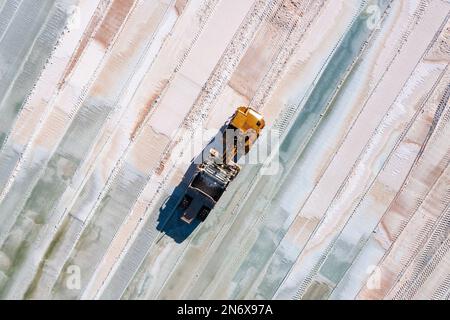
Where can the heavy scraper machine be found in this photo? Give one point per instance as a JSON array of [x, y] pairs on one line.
[[219, 168]]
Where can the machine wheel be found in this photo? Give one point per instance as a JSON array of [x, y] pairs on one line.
[[185, 202], [203, 214]]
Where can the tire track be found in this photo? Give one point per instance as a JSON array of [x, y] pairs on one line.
[[227, 233], [79, 102], [388, 67], [209, 94]]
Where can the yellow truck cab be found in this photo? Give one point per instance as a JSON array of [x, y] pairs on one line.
[[245, 119]]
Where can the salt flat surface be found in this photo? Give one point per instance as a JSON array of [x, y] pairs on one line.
[[100, 102]]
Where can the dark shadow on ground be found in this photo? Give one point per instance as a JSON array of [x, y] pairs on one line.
[[169, 219]]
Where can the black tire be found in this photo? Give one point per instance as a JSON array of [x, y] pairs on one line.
[[185, 202], [203, 213]]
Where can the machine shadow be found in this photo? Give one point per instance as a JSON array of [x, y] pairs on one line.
[[169, 219]]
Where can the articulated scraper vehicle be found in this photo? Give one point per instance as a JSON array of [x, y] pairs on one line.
[[215, 172]]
